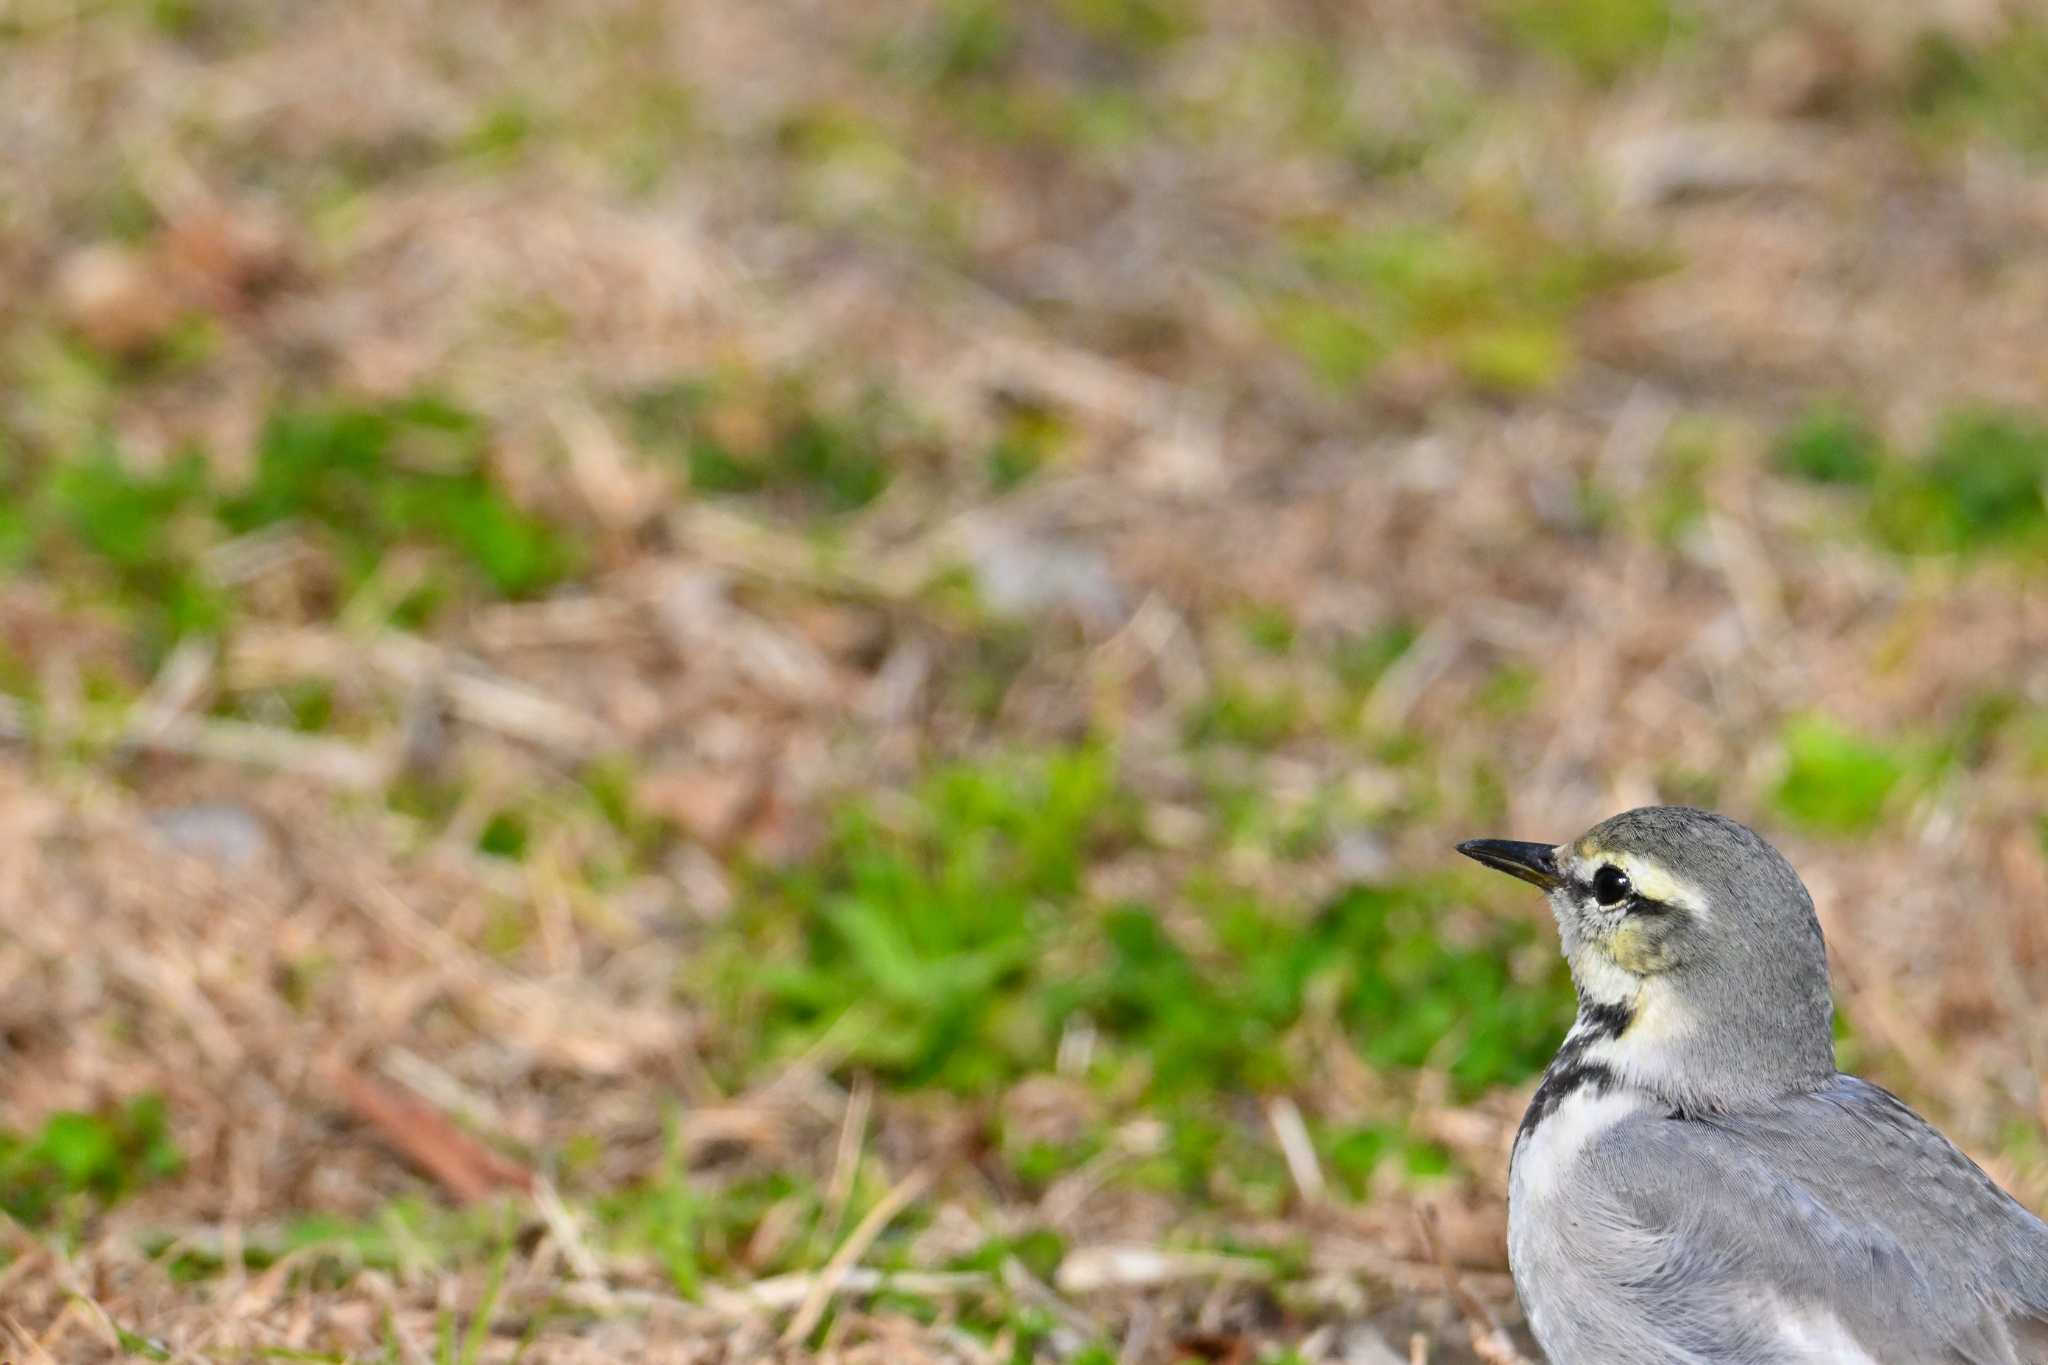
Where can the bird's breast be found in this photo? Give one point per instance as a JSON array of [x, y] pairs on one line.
[[1573, 1106]]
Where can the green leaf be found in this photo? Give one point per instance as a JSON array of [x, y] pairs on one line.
[[1835, 782]]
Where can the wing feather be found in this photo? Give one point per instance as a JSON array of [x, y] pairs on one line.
[[1838, 1210]]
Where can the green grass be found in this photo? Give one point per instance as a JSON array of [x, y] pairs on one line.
[[966, 56], [375, 478], [1339, 347], [949, 945], [1676, 500], [1243, 715], [1495, 296], [959, 41], [501, 135], [1835, 781], [1134, 25], [667, 1218], [1953, 89], [1509, 691], [467, 1347], [359, 483], [136, 535], [924, 937], [1374, 955], [1030, 438], [98, 1158], [742, 436], [1305, 94], [1361, 660], [1977, 485], [1830, 444], [1600, 39]]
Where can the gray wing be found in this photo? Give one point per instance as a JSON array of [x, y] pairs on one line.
[[1838, 1215]]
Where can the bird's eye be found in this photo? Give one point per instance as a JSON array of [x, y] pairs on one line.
[[1611, 885]]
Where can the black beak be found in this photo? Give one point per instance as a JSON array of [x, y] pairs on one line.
[[1533, 863]]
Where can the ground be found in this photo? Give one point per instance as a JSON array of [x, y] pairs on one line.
[[791, 681]]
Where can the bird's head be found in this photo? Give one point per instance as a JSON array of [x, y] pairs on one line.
[[1694, 945]]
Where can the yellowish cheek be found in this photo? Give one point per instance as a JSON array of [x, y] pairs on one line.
[[1633, 949]]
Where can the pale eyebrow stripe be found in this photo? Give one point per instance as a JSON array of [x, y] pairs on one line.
[[1652, 880], [1658, 883]]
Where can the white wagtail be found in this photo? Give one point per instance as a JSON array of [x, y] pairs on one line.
[[1694, 1181]]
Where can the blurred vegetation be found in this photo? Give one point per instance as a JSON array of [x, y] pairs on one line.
[[1980, 483], [953, 944], [360, 483], [1954, 88], [1178, 867], [1496, 299], [1599, 38], [1835, 782], [79, 1162]]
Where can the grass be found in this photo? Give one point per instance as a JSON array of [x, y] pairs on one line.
[[401, 510], [1363, 658], [1495, 297], [968, 57], [927, 936], [1432, 512], [954, 946], [1830, 444], [1835, 781], [1244, 715], [744, 436], [1976, 486], [361, 484], [376, 478], [96, 1157], [1599, 39], [1979, 484], [1954, 88]]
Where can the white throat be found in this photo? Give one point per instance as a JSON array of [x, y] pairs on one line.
[[1618, 1059]]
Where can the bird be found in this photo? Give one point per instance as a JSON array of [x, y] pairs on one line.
[[1694, 1181]]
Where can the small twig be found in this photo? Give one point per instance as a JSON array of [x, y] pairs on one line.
[[249, 557], [1138, 1336], [177, 685], [497, 703], [463, 1165], [1408, 679], [31, 1348], [232, 741], [899, 1197], [846, 1161], [267, 1288], [436, 1086], [1489, 1339], [1067, 1194], [568, 1236], [1028, 1288], [1088, 1270], [472, 691], [178, 988], [97, 1317], [1298, 1148], [778, 1292]]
